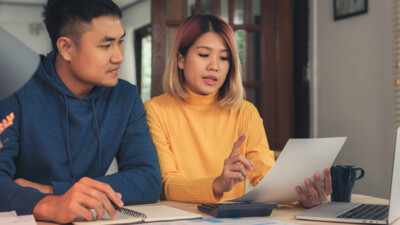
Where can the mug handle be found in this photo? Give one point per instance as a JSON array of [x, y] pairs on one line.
[[361, 174]]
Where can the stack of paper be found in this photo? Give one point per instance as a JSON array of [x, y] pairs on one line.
[[11, 218]]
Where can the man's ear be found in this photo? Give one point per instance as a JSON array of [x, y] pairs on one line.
[[181, 61], [65, 45]]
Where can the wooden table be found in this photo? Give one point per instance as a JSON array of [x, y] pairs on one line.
[[284, 213]]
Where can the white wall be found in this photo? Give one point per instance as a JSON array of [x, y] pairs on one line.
[[351, 66], [19, 21]]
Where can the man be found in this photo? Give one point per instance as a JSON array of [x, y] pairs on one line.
[[72, 118]]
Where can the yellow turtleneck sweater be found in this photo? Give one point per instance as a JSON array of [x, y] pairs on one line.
[[194, 136]]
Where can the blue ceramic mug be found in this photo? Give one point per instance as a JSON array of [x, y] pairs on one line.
[[343, 178]]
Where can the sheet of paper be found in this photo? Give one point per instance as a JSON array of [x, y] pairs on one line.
[[225, 221], [8, 214], [299, 160], [18, 220]]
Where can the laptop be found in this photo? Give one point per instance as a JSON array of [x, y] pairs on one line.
[[362, 213]]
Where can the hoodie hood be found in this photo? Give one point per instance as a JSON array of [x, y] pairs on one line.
[[48, 74]]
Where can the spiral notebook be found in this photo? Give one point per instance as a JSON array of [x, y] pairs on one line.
[[142, 213]]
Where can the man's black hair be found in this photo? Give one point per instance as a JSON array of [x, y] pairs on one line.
[[70, 18]]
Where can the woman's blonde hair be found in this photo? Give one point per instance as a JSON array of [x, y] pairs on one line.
[[231, 92]]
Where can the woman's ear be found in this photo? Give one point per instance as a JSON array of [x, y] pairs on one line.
[[64, 45], [181, 61]]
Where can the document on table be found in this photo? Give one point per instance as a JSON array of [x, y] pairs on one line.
[[226, 221], [299, 160], [8, 214]]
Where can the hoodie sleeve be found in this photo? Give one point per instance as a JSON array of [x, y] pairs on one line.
[[139, 176], [13, 196], [60, 187]]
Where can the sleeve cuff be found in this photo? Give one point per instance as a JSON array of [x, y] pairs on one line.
[[29, 203], [199, 190], [59, 188]]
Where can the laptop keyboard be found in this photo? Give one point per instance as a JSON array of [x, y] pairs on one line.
[[367, 211]]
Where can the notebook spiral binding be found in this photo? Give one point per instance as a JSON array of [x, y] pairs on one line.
[[128, 212], [131, 212]]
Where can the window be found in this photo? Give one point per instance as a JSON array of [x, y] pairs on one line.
[[143, 61]]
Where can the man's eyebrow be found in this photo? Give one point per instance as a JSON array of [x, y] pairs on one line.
[[107, 38]]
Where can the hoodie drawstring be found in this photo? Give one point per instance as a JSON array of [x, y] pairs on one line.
[[68, 141], [98, 135]]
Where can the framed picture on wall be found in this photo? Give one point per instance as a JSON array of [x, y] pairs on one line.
[[347, 8]]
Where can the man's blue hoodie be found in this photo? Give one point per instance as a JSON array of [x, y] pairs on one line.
[[58, 138]]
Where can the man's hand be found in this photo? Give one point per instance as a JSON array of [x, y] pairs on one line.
[[317, 192], [47, 189], [234, 171], [84, 195]]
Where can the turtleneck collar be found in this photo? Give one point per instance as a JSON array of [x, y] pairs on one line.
[[201, 100]]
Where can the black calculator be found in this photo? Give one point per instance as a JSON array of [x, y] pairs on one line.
[[230, 210]]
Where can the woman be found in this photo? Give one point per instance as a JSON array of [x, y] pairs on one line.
[[203, 114]]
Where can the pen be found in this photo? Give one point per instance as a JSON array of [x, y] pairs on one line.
[[127, 211]]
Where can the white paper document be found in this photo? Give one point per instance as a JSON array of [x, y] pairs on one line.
[[18, 220], [8, 214], [299, 160]]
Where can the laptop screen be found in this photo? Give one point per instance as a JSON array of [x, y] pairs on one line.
[[394, 206]]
